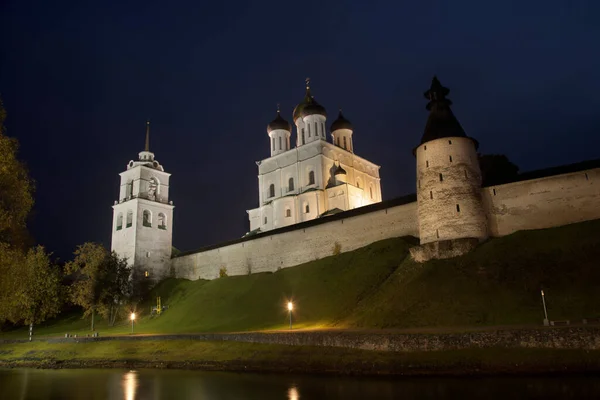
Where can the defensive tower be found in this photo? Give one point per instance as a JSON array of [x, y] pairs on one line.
[[448, 176]]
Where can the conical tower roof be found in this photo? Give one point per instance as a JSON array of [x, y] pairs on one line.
[[441, 122]]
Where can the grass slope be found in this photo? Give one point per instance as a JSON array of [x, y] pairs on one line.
[[379, 286], [324, 292], [497, 284]]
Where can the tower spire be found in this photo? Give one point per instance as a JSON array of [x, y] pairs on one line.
[[147, 147], [441, 122]]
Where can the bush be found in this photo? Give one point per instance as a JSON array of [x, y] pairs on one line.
[[223, 272], [337, 249]]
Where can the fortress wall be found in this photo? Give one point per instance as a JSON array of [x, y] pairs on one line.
[[543, 203], [283, 250]]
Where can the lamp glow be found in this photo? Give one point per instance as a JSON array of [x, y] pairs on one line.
[[132, 317], [290, 308]]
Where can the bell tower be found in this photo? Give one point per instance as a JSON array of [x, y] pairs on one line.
[[143, 216]]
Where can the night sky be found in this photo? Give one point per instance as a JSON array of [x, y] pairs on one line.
[[79, 81]]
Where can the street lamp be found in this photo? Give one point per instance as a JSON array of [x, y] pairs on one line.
[[546, 323], [290, 308], [132, 317]]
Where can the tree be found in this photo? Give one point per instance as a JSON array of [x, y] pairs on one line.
[[102, 281], [497, 169], [30, 289], [16, 190]]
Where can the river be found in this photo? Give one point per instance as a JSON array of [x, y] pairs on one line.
[[70, 384]]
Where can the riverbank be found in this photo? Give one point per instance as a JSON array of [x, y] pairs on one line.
[[516, 351], [252, 357]]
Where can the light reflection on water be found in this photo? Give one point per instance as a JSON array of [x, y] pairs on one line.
[[130, 384], [293, 393], [172, 384]]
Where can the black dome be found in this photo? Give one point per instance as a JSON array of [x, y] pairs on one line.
[[300, 107], [279, 123], [341, 123], [339, 170], [313, 108], [308, 106]]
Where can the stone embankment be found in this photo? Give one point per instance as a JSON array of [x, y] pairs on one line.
[[581, 338]]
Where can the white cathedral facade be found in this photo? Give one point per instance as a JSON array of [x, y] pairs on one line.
[[316, 177]]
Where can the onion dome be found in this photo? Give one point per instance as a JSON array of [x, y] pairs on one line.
[[441, 122], [341, 123], [308, 105], [339, 170], [279, 123], [313, 108]]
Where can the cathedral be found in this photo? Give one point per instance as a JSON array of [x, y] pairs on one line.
[[315, 178]]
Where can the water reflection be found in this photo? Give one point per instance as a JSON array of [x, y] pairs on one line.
[[293, 393], [130, 383], [168, 384]]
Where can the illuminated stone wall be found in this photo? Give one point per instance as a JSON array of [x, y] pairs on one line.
[[543, 203], [533, 204], [270, 252], [448, 191]]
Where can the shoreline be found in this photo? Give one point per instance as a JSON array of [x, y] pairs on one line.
[[361, 370], [188, 354]]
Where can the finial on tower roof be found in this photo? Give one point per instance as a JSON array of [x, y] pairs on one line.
[[278, 109], [307, 80], [147, 147]]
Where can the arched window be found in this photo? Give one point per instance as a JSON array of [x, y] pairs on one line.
[[345, 143], [279, 142], [311, 178], [147, 218], [291, 184], [265, 220], [308, 126], [153, 188], [303, 138], [306, 208], [273, 141], [371, 190], [120, 221], [288, 213], [162, 221], [316, 130], [271, 190], [358, 183], [129, 219]]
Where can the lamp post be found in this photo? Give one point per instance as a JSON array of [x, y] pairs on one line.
[[132, 317], [546, 322], [290, 308]]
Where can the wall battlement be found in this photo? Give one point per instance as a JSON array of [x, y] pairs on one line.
[[544, 202]]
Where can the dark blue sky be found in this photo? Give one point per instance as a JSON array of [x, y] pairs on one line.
[[79, 80]]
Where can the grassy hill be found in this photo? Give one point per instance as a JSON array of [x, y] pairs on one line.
[[379, 286]]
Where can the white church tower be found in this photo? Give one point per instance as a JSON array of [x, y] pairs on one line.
[[143, 216]]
